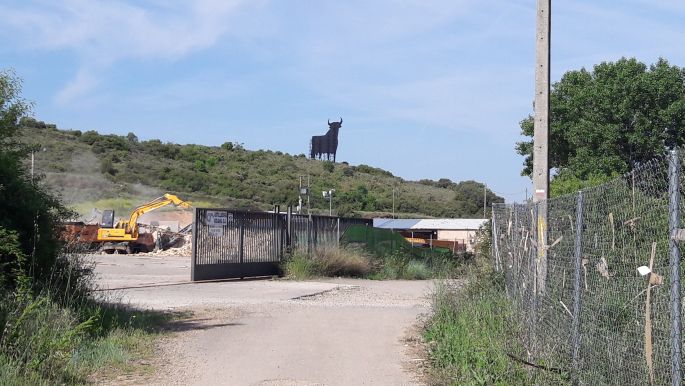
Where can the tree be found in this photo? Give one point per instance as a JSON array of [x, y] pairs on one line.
[[12, 109], [28, 214], [469, 199], [608, 121]]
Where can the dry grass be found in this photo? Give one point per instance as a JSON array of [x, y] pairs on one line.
[[329, 262], [343, 262]]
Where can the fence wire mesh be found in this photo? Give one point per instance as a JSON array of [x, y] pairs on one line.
[[591, 317]]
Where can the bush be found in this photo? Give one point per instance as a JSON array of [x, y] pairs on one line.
[[328, 262], [300, 267], [343, 262], [416, 270]]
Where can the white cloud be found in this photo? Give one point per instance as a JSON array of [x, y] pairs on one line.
[[84, 81], [102, 33]]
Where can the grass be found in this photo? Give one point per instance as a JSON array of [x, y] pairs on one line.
[[120, 351], [356, 262], [330, 262], [472, 334], [45, 341], [343, 262], [469, 336]]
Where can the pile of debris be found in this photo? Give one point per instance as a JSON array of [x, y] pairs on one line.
[[181, 248], [169, 243]]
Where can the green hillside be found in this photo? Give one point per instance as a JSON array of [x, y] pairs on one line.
[[93, 170]]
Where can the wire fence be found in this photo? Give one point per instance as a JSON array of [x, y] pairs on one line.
[[586, 309]]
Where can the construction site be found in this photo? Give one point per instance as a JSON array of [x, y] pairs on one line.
[[146, 230]]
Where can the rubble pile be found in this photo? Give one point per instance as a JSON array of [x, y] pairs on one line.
[[185, 249]]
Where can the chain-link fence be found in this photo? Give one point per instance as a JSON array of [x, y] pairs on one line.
[[587, 309]]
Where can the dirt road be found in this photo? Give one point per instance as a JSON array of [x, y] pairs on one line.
[[275, 332]]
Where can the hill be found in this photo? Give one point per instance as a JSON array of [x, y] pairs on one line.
[[89, 170]]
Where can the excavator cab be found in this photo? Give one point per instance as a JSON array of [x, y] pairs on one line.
[[107, 219]]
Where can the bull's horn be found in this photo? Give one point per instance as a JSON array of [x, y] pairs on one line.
[[329, 121], [341, 120]]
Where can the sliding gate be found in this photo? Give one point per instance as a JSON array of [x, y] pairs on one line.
[[236, 244]]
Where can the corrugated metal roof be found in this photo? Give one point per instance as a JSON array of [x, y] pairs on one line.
[[394, 223], [430, 224]]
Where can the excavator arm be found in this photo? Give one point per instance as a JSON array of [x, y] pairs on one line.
[[166, 199]]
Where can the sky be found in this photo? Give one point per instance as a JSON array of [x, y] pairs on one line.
[[426, 88]]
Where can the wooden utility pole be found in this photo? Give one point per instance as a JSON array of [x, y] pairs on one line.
[[541, 134], [485, 199]]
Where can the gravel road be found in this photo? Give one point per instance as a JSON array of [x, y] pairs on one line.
[[274, 332]]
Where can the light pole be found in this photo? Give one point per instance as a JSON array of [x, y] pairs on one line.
[[329, 195], [33, 151], [393, 202]]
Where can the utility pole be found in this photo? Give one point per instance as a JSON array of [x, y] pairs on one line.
[[485, 199], [299, 198], [541, 134], [309, 217]]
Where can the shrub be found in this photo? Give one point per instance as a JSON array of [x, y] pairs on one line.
[[343, 262], [328, 166], [328, 262], [300, 267], [416, 270]]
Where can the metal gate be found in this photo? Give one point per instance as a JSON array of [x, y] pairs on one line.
[[236, 244]]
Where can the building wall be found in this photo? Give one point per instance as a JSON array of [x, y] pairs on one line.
[[462, 236]]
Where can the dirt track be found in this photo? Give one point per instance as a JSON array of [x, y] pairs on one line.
[[275, 332]]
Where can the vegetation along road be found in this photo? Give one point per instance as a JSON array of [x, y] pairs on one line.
[[331, 331]]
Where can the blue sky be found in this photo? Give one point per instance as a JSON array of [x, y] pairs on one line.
[[427, 89]]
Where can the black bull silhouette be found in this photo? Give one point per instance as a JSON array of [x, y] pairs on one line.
[[326, 145]]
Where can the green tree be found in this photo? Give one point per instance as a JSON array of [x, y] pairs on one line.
[[607, 121], [28, 214], [469, 199]]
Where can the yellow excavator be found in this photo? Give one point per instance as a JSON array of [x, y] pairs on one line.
[[123, 237]]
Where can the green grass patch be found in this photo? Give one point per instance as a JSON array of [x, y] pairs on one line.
[[119, 352], [472, 335], [45, 342], [469, 336]]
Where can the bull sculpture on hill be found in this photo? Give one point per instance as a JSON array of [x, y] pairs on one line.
[[326, 145]]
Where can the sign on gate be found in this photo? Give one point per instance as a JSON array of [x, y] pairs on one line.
[[216, 231], [218, 218]]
